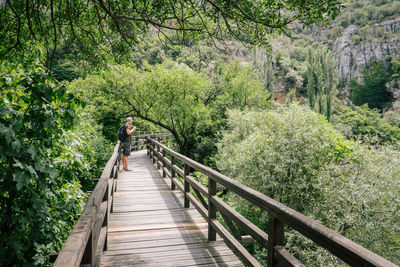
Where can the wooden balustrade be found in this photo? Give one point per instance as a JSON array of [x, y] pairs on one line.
[[208, 204], [139, 141], [89, 235]]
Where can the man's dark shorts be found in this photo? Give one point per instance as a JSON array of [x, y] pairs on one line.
[[126, 146]]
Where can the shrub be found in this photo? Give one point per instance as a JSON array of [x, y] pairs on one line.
[[280, 152], [295, 156], [373, 90], [365, 124]]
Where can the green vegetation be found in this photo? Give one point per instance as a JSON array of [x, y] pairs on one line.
[[175, 98], [362, 123], [70, 72], [44, 163], [295, 156], [321, 80], [373, 88], [101, 27]]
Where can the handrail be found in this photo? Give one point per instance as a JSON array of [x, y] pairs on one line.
[[89, 234], [141, 138], [279, 215]]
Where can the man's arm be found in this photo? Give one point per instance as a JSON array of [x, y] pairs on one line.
[[129, 132]]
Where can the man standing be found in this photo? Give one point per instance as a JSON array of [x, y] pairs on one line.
[[126, 144]]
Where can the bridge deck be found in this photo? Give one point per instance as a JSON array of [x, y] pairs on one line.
[[150, 227]]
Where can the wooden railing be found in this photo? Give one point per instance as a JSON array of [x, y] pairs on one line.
[[208, 204], [139, 141], [88, 238]]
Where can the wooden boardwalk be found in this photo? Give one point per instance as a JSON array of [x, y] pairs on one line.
[[150, 227]]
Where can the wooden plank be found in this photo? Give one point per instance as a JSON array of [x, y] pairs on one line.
[[198, 205], [198, 252], [100, 245], [216, 245], [174, 263], [123, 237], [187, 258], [155, 226]]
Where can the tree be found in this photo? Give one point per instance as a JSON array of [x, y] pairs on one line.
[[372, 90], [170, 96], [237, 86], [174, 97], [36, 204], [280, 152], [322, 80], [99, 27]]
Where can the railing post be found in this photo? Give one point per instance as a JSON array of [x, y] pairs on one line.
[[147, 147], [106, 217], [88, 256], [212, 212], [116, 174], [275, 238], [137, 143], [186, 186], [158, 157], [164, 174], [154, 152], [173, 173]]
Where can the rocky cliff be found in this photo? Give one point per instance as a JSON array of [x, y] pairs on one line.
[[353, 53]]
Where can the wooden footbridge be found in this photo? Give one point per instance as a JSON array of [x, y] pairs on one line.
[[160, 215]]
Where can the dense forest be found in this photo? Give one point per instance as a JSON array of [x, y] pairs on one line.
[[308, 95]]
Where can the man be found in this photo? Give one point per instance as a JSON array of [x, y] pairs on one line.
[[126, 144]]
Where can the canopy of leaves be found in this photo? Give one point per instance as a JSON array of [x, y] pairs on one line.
[[174, 97], [280, 152], [168, 96], [44, 161], [116, 25]]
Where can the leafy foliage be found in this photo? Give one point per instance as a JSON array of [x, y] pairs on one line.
[[115, 26], [34, 111], [321, 80], [365, 124], [295, 156], [44, 163], [280, 152], [372, 90], [176, 98]]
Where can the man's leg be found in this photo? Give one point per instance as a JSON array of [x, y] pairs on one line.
[[125, 162], [126, 153]]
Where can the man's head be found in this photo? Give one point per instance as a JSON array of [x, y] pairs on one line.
[[129, 120]]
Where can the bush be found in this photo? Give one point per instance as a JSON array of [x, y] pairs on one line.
[[362, 199], [365, 124], [373, 89], [295, 156], [37, 206], [280, 152]]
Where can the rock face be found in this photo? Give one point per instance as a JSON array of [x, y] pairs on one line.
[[353, 57]]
